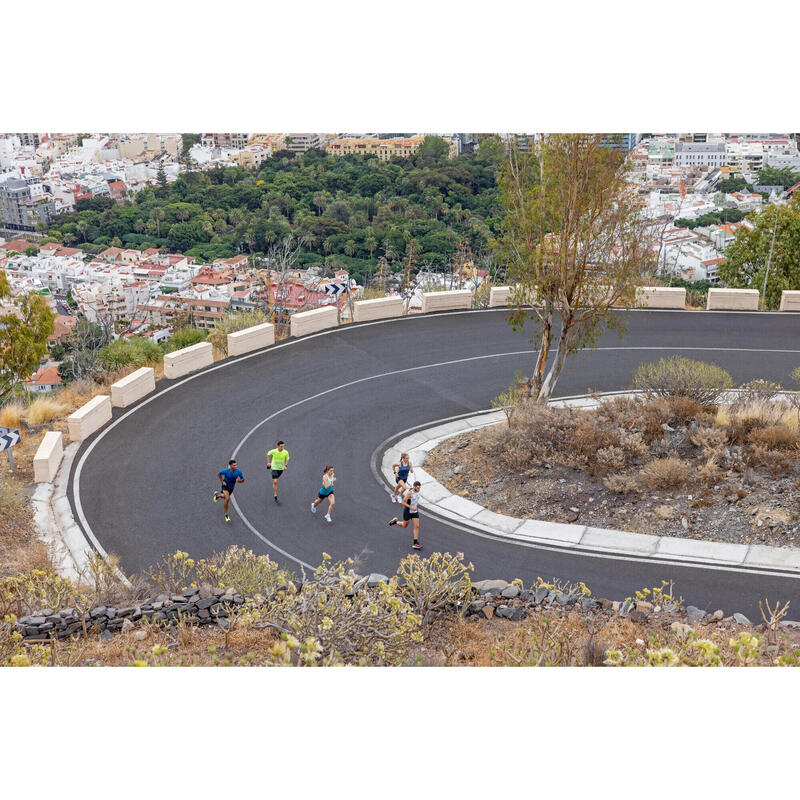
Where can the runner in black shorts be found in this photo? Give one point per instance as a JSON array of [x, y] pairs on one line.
[[277, 459], [410, 514], [229, 477]]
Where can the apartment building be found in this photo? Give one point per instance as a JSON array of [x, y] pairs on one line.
[[167, 309], [301, 142], [689, 154], [23, 204], [236, 141], [384, 149]]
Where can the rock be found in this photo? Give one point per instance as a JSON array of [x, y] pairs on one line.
[[741, 619], [488, 611], [111, 613], [190, 592], [490, 586], [158, 605], [666, 427], [97, 611], [46, 627], [643, 605], [694, 614], [218, 591], [540, 595], [206, 602], [639, 616], [46, 612], [357, 587], [510, 591], [33, 620], [605, 604], [588, 604], [140, 636], [457, 469], [125, 612], [206, 590], [514, 614], [67, 612], [670, 607], [475, 606], [107, 636], [204, 613], [228, 598], [127, 625], [375, 579], [574, 510], [615, 604], [161, 598], [626, 607], [684, 523], [238, 599], [572, 517], [681, 629], [718, 615]]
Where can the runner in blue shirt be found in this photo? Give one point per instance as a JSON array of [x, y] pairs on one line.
[[229, 477]]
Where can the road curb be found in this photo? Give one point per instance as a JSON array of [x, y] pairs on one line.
[[437, 499]]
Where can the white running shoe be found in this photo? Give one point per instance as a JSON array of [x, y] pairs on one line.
[[328, 517], [394, 498], [313, 509]]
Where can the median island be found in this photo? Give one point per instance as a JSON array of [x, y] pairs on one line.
[[685, 456]]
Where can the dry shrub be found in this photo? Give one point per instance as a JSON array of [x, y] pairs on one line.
[[610, 459], [774, 461], [664, 473], [684, 408], [78, 393], [11, 415], [621, 484], [677, 375], [44, 409], [633, 444], [776, 437], [709, 440], [710, 472]]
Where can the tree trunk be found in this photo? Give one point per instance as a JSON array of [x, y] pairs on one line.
[[556, 368], [537, 379]]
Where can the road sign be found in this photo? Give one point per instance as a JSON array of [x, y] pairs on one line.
[[335, 288], [8, 438]]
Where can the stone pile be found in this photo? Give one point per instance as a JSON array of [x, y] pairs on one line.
[[200, 606]]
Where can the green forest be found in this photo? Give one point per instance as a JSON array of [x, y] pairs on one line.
[[348, 211]]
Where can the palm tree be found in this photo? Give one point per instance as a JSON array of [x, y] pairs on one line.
[[157, 215], [82, 225], [370, 243], [349, 247]]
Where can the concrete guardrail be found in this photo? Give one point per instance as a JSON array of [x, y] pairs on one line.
[[133, 387], [48, 457], [382, 308], [452, 300], [661, 297], [89, 417], [499, 296], [790, 300], [318, 319], [182, 362], [732, 300], [249, 339]]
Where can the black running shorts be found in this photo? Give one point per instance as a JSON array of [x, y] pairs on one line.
[[407, 514], [276, 473]]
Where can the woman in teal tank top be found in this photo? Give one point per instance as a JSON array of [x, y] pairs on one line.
[[328, 479]]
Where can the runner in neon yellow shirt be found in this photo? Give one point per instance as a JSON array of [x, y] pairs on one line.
[[277, 459]]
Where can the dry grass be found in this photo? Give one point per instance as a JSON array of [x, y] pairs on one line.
[[44, 409], [776, 437], [20, 550], [11, 415], [664, 473]]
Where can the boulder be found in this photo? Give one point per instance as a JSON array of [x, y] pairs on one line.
[[695, 614], [490, 586], [375, 579], [741, 619], [510, 591]]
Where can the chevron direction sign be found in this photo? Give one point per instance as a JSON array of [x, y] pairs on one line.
[[335, 288], [8, 437]]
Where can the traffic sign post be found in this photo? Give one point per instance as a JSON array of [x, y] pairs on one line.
[[335, 288], [8, 438]]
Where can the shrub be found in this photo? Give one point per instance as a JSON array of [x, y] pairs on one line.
[[11, 415], [757, 391], [232, 323], [633, 444], [610, 459], [512, 397], [184, 337], [432, 583], [664, 473], [135, 352], [44, 409], [709, 440], [776, 437], [677, 375], [621, 484], [242, 569], [683, 408]]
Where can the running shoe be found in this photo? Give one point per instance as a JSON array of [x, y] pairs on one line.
[[393, 521], [394, 498], [215, 497], [328, 517], [313, 509], [227, 519], [416, 546], [275, 498]]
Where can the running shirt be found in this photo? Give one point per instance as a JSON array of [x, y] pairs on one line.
[[414, 501], [325, 492], [230, 475], [278, 458], [402, 471]]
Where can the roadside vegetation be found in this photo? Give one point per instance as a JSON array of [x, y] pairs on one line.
[[687, 456], [429, 613]]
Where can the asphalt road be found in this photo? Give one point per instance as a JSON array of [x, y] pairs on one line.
[[145, 482]]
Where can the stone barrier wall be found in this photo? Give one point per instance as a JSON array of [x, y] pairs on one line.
[[48, 457], [499, 296], [133, 387], [382, 308], [661, 297], [790, 301], [319, 319], [89, 417], [190, 359], [250, 339], [455, 299], [732, 300]]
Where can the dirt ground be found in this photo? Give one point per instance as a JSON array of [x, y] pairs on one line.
[[744, 508]]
